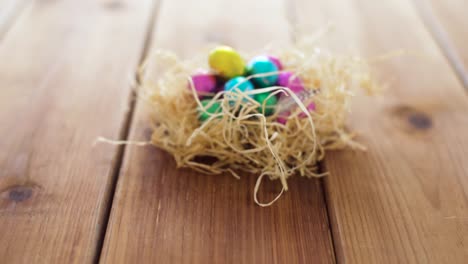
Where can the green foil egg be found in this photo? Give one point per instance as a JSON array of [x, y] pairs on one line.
[[206, 113], [267, 105]]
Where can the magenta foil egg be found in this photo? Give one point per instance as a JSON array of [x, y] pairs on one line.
[[204, 83], [287, 79], [275, 61]]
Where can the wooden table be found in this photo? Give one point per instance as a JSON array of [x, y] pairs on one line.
[[65, 71]]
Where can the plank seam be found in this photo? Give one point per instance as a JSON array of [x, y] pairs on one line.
[[439, 35], [325, 197], [124, 134], [291, 16]]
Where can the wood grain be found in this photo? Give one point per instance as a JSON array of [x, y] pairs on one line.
[[405, 200], [448, 23], [64, 78], [161, 214], [9, 11]]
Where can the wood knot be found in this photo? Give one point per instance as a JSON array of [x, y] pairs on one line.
[[420, 120], [19, 193], [413, 119]]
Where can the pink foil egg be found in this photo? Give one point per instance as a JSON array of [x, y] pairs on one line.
[[275, 61], [204, 83], [285, 79], [310, 107], [283, 117]]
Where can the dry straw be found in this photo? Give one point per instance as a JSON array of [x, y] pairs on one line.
[[238, 139]]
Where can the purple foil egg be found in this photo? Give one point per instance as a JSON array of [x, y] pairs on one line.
[[275, 61], [204, 83], [286, 79]]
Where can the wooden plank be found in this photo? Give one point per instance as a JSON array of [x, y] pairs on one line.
[[165, 215], [405, 199], [447, 22], [64, 73], [9, 10]]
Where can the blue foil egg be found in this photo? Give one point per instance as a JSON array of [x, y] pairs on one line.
[[261, 65], [240, 83]]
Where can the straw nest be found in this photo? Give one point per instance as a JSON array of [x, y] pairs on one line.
[[239, 139]]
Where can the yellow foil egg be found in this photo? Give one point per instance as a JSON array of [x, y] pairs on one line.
[[227, 62]]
